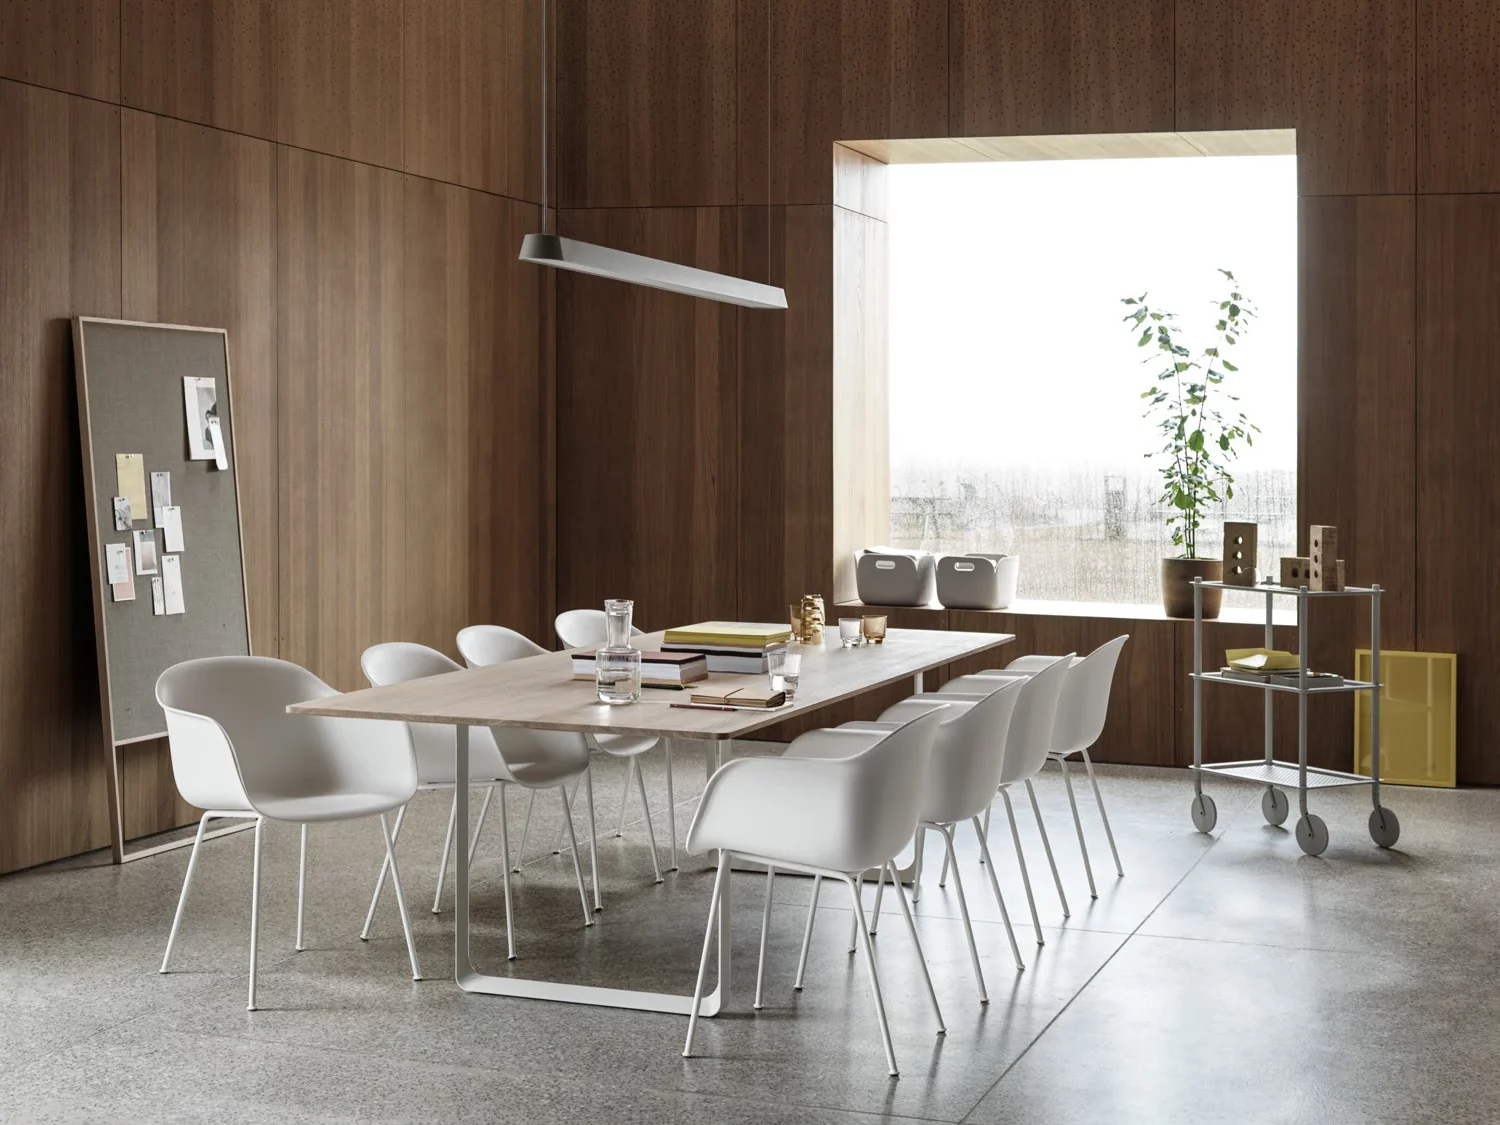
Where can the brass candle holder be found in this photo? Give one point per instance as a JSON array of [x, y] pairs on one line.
[[807, 619]]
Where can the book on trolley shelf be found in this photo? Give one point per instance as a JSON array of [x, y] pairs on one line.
[[658, 669], [730, 646]]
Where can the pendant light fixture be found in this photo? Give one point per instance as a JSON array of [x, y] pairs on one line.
[[548, 249]]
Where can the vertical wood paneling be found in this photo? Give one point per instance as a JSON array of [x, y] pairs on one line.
[[646, 103], [1356, 115], [1458, 95], [472, 442], [59, 226], [338, 78], [1458, 418], [199, 210], [646, 399], [342, 403], [71, 45], [1120, 70], [209, 61], [1235, 64]]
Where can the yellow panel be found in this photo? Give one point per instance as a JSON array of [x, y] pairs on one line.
[[1418, 717]]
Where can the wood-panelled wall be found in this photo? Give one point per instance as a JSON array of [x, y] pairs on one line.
[[343, 185], [668, 107]]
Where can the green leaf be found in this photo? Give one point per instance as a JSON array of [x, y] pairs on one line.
[[1144, 340], [1128, 301], [1195, 441], [1228, 366]]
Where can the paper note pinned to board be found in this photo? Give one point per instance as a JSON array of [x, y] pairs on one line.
[[172, 528], [116, 563], [122, 513], [130, 482], [123, 590], [171, 582], [158, 598], [161, 495], [221, 459]]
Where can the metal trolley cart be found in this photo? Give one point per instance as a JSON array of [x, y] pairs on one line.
[[1312, 833]]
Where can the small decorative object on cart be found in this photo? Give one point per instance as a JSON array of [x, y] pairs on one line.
[[617, 666], [1322, 558], [872, 625], [1294, 571], [808, 620], [1239, 553]]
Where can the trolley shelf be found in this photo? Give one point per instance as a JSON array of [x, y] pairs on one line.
[[1336, 689], [1283, 773], [1293, 591]]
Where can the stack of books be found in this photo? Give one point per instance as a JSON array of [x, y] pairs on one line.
[[658, 669], [730, 646]]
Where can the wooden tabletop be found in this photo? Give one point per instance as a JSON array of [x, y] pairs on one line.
[[540, 692]]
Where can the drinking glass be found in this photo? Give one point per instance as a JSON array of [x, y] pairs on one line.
[[617, 664], [873, 626], [849, 631], [785, 668]]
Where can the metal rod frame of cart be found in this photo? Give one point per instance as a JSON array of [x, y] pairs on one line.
[[1311, 832]]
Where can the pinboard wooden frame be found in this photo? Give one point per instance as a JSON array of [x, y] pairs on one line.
[[86, 421]]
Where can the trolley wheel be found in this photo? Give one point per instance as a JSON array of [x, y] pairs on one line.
[[1385, 829], [1274, 806], [1205, 813], [1312, 834]]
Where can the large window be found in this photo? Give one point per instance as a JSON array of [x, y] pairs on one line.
[[1016, 416]]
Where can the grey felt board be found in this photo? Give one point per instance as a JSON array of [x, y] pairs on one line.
[[132, 376]]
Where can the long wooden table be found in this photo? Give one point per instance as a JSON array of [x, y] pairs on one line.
[[539, 692]]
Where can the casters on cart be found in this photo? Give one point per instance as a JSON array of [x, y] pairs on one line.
[[1205, 813], [1274, 806], [1312, 834], [1385, 829]]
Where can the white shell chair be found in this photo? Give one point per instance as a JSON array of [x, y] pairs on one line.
[[839, 803], [1026, 749], [963, 773], [484, 645], [532, 759], [584, 628], [237, 754], [1082, 710]]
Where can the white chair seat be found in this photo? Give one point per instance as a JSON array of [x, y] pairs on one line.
[[625, 745], [336, 806]]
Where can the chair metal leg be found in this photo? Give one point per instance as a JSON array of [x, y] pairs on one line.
[[1088, 764], [863, 933], [721, 880], [857, 922], [1041, 827], [640, 778], [390, 853], [631, 767], [1088, 868], [943, 874], [963, 909], [510, 933], [187, 882], [1015, 835], [765, 929], [484, 808], [301, 885], [437, 895], [672, 809], [911, 928], [385, 866], [588, 788], [879, 893], [918, 853], [583, 898], [254, 912], [812, 911], [526, 827], [561, 831], [989, 866]]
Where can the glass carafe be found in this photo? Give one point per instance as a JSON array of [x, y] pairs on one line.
[[617, 666]]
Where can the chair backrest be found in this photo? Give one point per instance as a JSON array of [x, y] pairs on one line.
[[483, 645], [1084, 702], [978, 683], [889, 793], [396, 662], [233, 743], [968, 756], [584, 628], [1033, 720]]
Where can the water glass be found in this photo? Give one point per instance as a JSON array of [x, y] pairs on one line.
[[849, 631], [873, 626], [785, 667]]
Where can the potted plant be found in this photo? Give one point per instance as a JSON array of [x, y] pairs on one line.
[[1186, 403]]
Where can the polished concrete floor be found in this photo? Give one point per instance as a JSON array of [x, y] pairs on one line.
[[1223, 979]]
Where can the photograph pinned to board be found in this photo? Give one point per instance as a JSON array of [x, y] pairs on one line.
[[161, 495], [122, 513], [123, 589], [171, 529], [158, 598], [200, 398], [221, 458], [171, 581], [130, 482], [145, 553]]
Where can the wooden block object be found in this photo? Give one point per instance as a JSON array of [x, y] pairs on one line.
[[1294, 571], [1239, 553], [1322, 557]]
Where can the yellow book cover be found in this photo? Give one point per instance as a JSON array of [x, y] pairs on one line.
[[1260, 660], [729, 634]]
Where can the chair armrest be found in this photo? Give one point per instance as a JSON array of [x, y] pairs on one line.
[[828, 743], [774, 805], [1028, 664], [908, 709]]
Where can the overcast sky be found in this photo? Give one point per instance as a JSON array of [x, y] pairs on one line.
[[1006, 278]]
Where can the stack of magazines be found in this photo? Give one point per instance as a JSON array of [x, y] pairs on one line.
[[658, 669], [730, 646]]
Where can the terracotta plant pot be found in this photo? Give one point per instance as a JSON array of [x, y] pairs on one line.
[[1177, 586]]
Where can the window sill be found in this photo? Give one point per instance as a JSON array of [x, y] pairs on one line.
[[1229, 615]]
